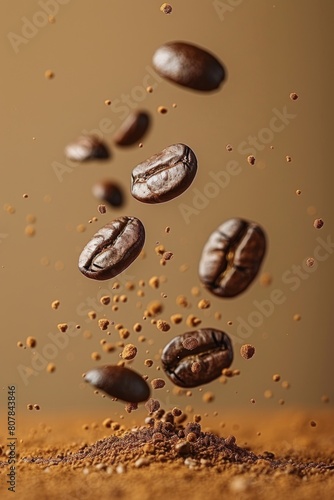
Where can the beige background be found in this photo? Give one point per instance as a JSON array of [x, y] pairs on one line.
[[102, 52]]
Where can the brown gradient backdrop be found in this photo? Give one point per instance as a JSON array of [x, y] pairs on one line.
[[101, 52]]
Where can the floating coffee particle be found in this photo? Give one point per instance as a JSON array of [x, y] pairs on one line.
[[102, 209], [288, 159], [310, 262], [119, 382], [158, 383], [36, 407], [293, 96], [213, 353], [232, 257], [62, 327], [318, 223], [87, 147], [166, 8], [108, 192], [297, 317], [208, 397], [162, 325], [203, 304], [247, 351], [165, 175], [132, 129], [276, 377], [31, 342], [229, 148], [30, 407], [162, 110], [51, 367], [49, 74], [129, 352], [188, 65], [298, 192], [55, 304], [251, 159], [190, 343], [112, 249], [103, 323]]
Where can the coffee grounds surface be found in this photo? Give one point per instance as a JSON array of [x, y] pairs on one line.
[[161, 459]]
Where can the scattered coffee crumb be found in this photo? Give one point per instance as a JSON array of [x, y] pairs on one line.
[[297, 317], [285, 384], [288, 159], [62, 327], [176, 318], [31, 342], [55, 304], [247, 351], [51, 368], [167, 255], [81, 228], [313, 423], [105, 300], [149, 89], [166, 8], [318, 223], [95, 356], [36, 407], [129, 352], [310, 262], [102, 209], [162, 110], [49, 74], [162, 325], [103, 323], [204, 304], [208, 397], [30, 230], [251, 159], [107, 102], [276, 377], [193, 321], [190, 343], [293, 96], [154, 282], [298, 192], [30, 407], [268, 394], [229, 148], [158, 383], [148, 363], [91, 314]]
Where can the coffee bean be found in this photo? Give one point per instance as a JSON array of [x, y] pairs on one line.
[[165, 175], [109, 192], [212, 354], [232, 256], [112, 249], [86, 148], [119, 382], [132, 129], [188, 65]]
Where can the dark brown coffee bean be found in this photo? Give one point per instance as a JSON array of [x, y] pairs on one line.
[[213, 353], [112, 249], [232, 257], [165, 175], [109, 192], [86, 148], [188, 65], [119, 382], [132, 129]]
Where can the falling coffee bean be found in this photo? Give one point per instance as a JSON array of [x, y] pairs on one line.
[[119, 382], [109, 192], [232, 257], [112, 249], [188, 65], [87, 147], [132, 129], [211, 355], [165, 175]]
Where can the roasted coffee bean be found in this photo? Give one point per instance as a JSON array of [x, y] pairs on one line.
[[232, 256], [188, 65], [119, 382], [87, 147], [165, 175], [132, 129], [109, 192], [213, 353], [112, 249]]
